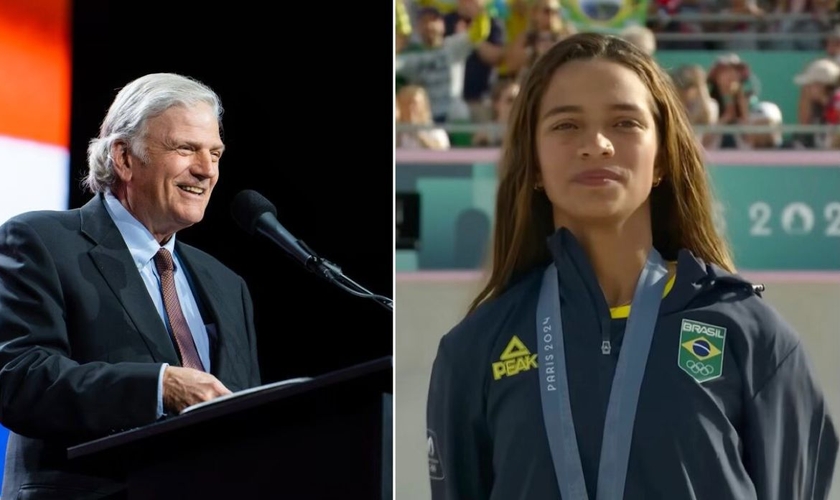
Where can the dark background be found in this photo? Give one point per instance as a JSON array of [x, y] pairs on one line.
[[308, 123]]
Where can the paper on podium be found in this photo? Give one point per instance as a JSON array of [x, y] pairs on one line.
[[245, 392]]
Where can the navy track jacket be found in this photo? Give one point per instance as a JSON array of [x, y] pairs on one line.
[[759, 430]]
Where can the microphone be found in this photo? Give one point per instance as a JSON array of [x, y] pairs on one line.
[[256, 215]]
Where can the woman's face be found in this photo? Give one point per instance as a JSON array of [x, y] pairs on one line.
[[411, 107], [728, 80], [596, 142], [689, 94], [417, 108]]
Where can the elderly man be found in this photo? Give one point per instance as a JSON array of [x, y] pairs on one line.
[[107, 322]]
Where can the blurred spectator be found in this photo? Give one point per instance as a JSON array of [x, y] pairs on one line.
[[436, 63], [455, 45], [640, 36], [545, 28], [832, 44], [818, 84], [659, 21], [732, 85], [480, 65], [701, 109], [768, 114], [664, 8], [444, 6], [819, 20], [403, 25], [413, 109], [503, 94], [832, 117], [536, 45], [516, 20], [741, 28]]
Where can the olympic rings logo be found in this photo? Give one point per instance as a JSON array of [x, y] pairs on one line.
[[699, 368]]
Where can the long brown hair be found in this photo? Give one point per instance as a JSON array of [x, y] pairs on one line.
[[681, 206]]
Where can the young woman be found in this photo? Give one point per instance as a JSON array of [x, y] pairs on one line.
[[614, 354], [733, 85]]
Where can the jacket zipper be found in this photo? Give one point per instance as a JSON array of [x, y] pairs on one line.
[[606, 346]]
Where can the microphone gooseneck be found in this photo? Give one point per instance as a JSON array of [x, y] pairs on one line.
[[256, 215]]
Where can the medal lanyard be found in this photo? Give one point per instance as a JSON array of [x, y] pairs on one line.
[[624, 394]]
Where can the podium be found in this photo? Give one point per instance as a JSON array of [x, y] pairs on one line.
[[327, 437]]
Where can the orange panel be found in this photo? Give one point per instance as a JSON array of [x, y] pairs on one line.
[[35, 70]]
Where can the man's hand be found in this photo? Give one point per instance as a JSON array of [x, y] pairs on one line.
[[183, 387]]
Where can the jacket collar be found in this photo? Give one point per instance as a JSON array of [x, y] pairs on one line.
[[579, 284], [114, 262]]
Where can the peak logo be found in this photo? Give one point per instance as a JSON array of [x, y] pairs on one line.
[[515, 359]]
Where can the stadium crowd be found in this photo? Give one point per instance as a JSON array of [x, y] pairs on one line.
[[459, 64]]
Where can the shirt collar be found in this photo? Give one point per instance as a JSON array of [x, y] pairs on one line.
[[142, 245]]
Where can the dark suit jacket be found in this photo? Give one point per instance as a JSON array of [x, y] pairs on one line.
[[81, 343]]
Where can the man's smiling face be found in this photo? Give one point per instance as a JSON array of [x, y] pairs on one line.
[[169, 186]]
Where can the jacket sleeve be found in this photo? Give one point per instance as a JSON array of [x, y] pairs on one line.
[[458, 444], [43, 392], [791, 443]]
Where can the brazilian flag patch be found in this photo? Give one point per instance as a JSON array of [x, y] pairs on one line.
[[701, 350]]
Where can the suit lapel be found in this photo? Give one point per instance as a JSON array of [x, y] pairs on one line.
[[112, 258]]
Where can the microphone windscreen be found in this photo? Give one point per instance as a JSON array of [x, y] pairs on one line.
[[247, 207]]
